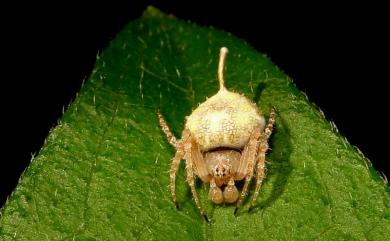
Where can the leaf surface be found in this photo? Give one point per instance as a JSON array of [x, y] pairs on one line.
[[103, 171]]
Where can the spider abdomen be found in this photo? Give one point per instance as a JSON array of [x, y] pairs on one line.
[[227, 119]]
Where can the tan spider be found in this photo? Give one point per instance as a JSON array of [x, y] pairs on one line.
[[225, 140]]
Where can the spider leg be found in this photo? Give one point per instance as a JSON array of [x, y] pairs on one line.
[[263, 147], [247, 163], [199, 163], [172, 174], [260, 170], [165, 128], [270, 125], [191, 178]]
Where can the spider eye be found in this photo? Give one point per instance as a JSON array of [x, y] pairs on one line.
[[220, 170]]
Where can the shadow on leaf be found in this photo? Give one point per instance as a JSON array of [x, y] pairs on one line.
[[278, 167], [259, 90]]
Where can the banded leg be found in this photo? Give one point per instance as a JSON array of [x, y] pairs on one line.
[[191, 182], [260, 170], [172, 174], [270, 125], [165, 128], [200, 167], [190, 168], [247, 163], [263, 147], [244, 191]]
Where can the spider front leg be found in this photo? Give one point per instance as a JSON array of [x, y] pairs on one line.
[[189, 149], [165, 128], [263, 147], [247, 164], [178, 156], [185, 148]]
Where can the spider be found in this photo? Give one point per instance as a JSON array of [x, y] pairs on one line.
[[225, 140]]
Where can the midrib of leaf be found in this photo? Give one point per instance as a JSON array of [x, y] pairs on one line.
[[102, 173]]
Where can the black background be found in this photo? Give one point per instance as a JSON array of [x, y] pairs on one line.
[[338, 55]]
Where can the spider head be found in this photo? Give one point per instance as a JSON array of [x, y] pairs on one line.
[[222, 164], [221, 170]]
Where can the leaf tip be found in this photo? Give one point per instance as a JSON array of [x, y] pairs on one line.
[[152, 11]]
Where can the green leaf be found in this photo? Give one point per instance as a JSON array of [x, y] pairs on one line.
[[103, 171]]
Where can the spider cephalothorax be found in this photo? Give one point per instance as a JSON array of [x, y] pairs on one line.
[[225, 140]]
